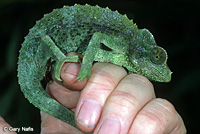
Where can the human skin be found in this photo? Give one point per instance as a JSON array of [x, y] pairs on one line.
[[111, 101]]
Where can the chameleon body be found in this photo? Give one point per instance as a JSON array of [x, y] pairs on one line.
[[97, 33]]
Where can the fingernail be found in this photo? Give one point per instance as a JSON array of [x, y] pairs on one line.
[[89, 113], [110, 126]]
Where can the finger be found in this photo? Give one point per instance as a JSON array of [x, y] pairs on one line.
[[62, 92], [132, 93], [103, 80], [63, 95], [4, 127], [69, 73], [50, 124], [158, 117]]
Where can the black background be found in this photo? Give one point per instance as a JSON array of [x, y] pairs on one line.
[[175, 25]]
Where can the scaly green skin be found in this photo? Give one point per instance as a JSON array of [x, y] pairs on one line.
[[87, 30]]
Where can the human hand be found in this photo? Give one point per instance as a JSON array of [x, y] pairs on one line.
[[110, 102], [4, 127]]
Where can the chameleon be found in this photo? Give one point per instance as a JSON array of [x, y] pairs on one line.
[[101, 35]]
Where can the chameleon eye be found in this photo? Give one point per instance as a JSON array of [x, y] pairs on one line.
[[158, 55]]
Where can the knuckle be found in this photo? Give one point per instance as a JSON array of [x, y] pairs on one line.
[[124, 99], [104, 78], [166, 106], [179, 129], [139, 87], [152, 122], [179, 126], [141, 80], [107, 73], [157, 117]]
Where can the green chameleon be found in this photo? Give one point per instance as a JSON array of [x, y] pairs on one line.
[[97, 33]]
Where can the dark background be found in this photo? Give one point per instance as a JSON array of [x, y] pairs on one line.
[[175, 25]]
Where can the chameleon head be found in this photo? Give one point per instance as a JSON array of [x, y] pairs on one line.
[[148, 58]]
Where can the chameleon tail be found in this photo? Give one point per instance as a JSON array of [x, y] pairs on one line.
[[31, 71], [34, 92]]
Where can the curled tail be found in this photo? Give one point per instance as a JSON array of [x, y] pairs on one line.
[[31, 71], [29, 77]]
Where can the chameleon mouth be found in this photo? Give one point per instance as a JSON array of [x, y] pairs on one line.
[[166, 78], [162, 77]]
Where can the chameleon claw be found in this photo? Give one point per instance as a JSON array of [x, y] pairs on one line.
[[80, 78], [57, 69], [85, 72], [82, 75]]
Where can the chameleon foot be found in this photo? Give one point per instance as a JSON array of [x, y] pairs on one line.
[[85, 72]]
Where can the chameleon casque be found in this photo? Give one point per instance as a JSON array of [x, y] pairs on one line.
[[87, 30]]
